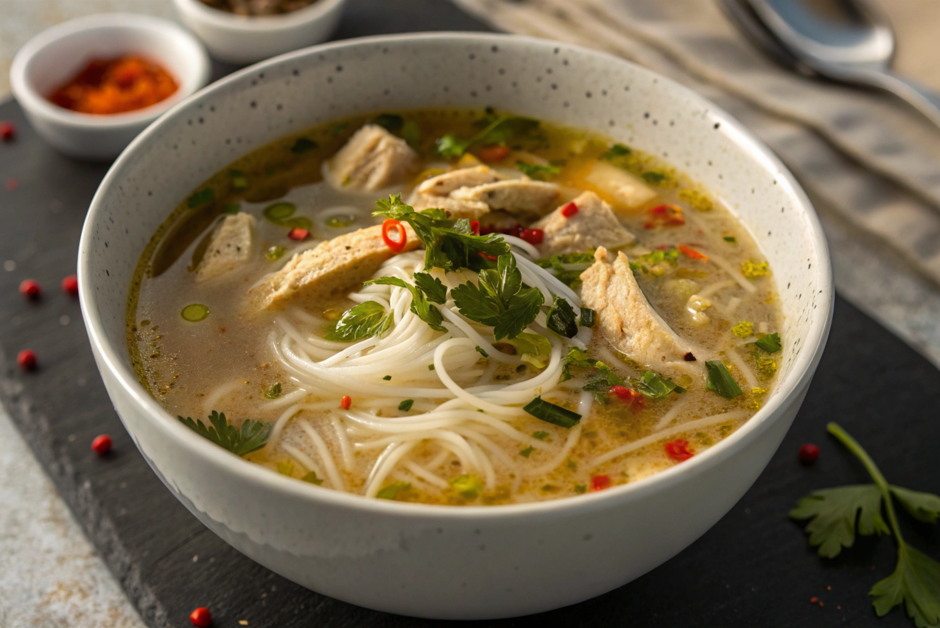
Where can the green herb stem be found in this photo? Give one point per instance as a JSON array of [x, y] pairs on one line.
[[859, 452]]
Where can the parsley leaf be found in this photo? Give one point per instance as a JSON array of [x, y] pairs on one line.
[[360, 321], [769, 343], [532, 348], [655, 386], [500, 131], [915, 583], [450, 244], [250, 437], [433, 289], [539, 173], [720, 380], [561, 318], [419, 303], [500, 300], [550, 413], [833, 512]]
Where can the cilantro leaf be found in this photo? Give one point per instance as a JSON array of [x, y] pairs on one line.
[[655, 386], [501, 130], [533, 349], [833, 513], [537, 172], [250, 437], [433, 289], [561, 318], [769, 343], [450, 244], [578, 358], [360, 321], [720, 380], [568, 276], [915, 583], [419, 303], [922, 506], [500, 300]]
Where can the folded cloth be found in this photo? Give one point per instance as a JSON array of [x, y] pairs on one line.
[[862, 154]]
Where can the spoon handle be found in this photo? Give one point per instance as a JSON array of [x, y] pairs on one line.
[[918, 96]]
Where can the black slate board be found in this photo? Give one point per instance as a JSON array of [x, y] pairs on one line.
[[752, 569]]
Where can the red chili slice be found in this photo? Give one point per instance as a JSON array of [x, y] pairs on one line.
[[627, 395], [101, 445], [492, 154], [395, 245], [70, 285], [569, 210], [475, 227], [298, 234], [678, 450], [26, 359], [345, 402], [30, 289], [690, 252], [600, 482], [532, 236], [7, 131]]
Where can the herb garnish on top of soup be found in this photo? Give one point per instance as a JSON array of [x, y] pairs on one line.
[[455, 307]]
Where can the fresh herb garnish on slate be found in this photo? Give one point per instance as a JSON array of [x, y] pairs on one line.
[[833, 513]]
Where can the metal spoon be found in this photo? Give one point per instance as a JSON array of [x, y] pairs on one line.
[[850, 41]]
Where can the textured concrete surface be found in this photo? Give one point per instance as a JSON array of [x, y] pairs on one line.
[[49, 573]]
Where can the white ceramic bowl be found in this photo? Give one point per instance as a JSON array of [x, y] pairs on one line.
[[55, 55], [240, 39], [433, 561]]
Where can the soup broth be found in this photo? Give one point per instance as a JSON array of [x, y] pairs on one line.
[[365, 389]]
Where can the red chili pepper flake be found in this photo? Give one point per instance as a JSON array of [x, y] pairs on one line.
[[813, 600], [678, 450], [101, 445], [532, 236], [494, 153], [11, 184], [398, 243], [627, 395], [600, 482], [298, 234], [809, 453], [345, 402], [201, 617], [30, 289], [692, 253], [27, 359], [70, 285], [569, 210], [665, 215], [475, 227], [7, 131]]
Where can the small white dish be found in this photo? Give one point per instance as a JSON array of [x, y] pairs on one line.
[[57, 54], [242, 40]]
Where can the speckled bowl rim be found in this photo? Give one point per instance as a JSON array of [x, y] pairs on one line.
[[795, 382]]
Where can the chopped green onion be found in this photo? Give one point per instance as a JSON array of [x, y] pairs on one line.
[[387, 378], [550, 413], [731, 239], [468, 486], [239, 180], [312, 478], [275, 253], [195, 312], [286, 468], [480, 350], [394, 490], [430, 367], [540, 435], [339, 221], [769, 343], [273, 392], [200, 198], [525, 453], [587, 317], [655, 386], [231, 208]]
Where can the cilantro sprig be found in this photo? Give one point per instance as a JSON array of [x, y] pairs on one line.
[[832, 515], [500, 300], [427, 289], [500, 130], [450, 244], [250, 437]]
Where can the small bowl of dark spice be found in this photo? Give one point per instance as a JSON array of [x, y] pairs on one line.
[[246, 31]]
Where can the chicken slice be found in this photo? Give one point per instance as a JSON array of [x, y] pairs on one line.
[[629, 322], [594, 225], [230, 247], [517, 196], [444, 184], [372, 159], [331, 266], [620, 184], [454, 208]]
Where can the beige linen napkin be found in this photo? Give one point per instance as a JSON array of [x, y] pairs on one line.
[[867, 159]]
